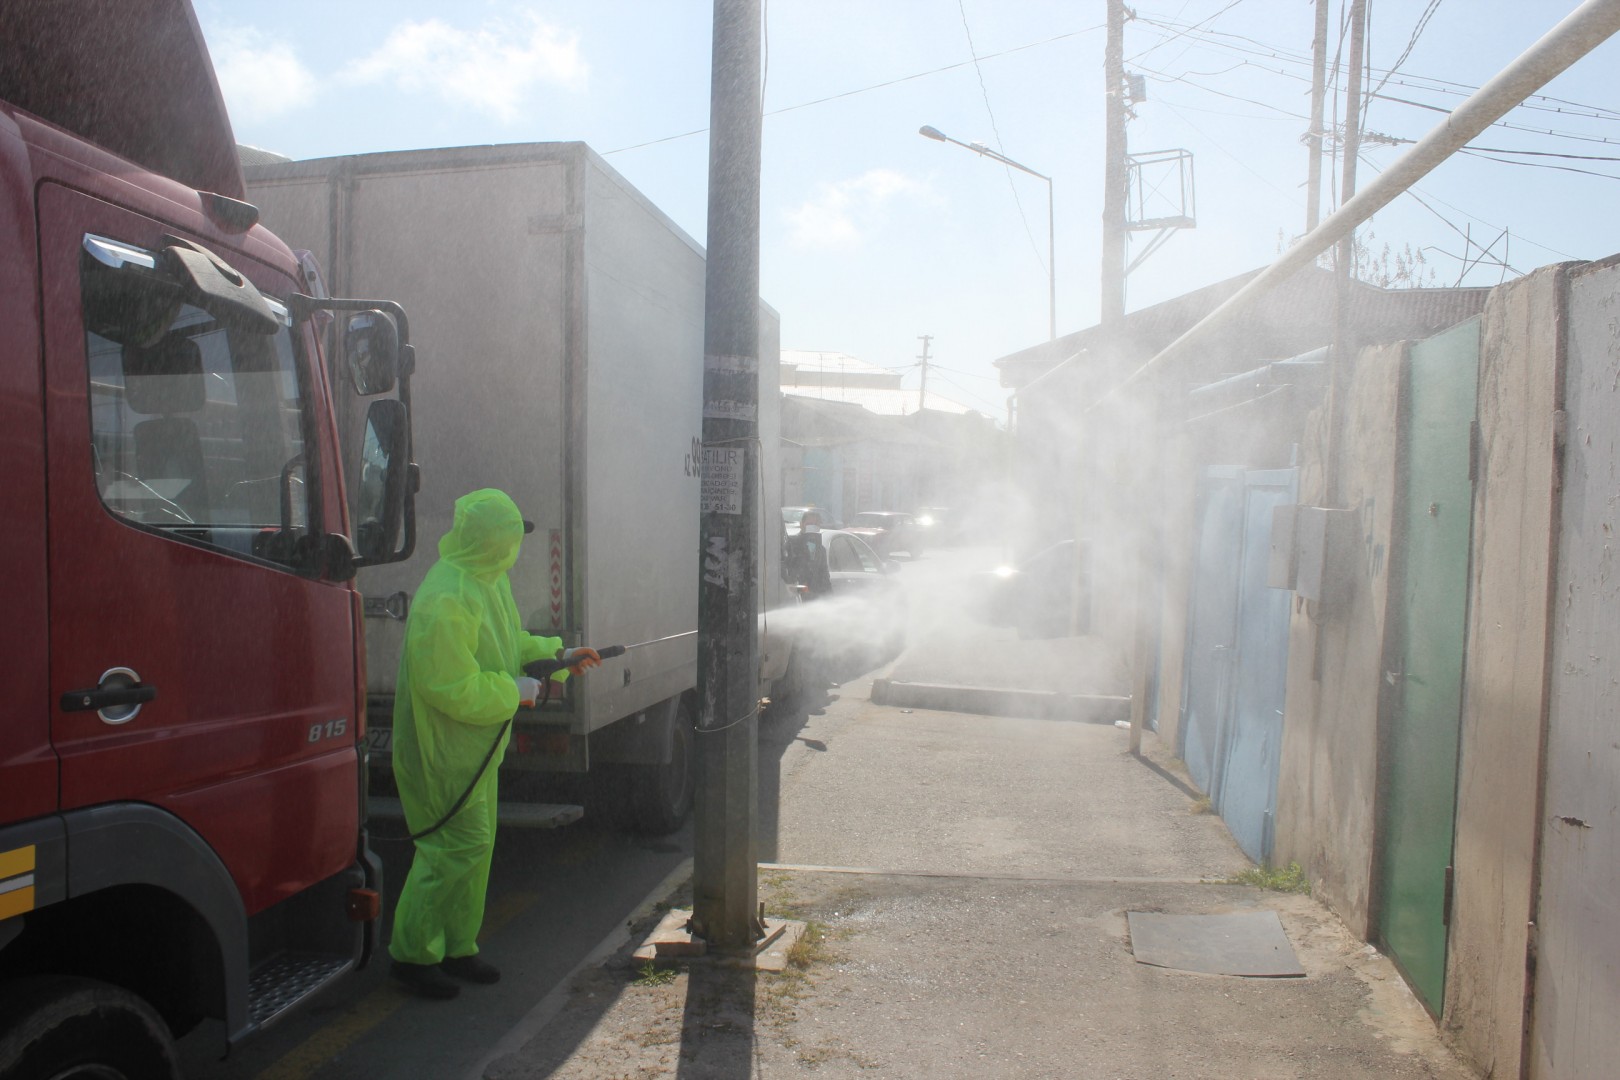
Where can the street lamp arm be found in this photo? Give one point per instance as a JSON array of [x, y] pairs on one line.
[[980, 149], [985, 151]]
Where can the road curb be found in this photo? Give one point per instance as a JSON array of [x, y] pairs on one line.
[[995, 701]]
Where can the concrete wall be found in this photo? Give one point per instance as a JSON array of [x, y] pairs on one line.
[[1577, 947], [1325, 796], [1504, 681]]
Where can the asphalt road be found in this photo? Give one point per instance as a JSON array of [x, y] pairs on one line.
[[555, 896]]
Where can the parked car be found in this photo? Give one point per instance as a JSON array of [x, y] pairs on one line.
[[888, 531], [1035, 596]]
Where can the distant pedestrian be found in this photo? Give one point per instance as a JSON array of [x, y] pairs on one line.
[[814, 575]]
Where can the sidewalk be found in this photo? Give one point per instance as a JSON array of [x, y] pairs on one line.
[[966, 880]]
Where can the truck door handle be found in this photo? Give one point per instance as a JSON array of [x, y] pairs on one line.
[[98, 699], [117, 697]]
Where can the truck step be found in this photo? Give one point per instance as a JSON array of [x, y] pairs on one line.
[[283, 982], [510, 815]]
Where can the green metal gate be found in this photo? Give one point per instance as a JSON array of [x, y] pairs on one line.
[[1423, 688]]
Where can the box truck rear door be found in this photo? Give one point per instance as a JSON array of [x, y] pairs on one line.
[[197, 663]]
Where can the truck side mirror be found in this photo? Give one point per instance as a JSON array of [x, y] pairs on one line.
[[371, 349], [380, 503]]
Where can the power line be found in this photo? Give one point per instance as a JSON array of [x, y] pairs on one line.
[[1505, 124], [1539, 165], [1411, 43], [1188, 30], [1508, 125], [966, 374], [875, 86], [1432, 83], [995, 130], [1221, 93]]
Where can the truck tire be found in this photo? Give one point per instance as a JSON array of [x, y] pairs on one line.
[[60, 1028], [661, 795]]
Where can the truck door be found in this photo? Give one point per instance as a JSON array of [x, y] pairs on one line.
[[197, 661]]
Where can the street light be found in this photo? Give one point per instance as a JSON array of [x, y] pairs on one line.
[[982, 150]]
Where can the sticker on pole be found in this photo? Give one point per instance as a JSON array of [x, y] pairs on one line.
[[723, 479]]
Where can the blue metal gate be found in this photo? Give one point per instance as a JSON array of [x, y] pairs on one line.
[[1212, 622], [1246, 794], [1237, 653]]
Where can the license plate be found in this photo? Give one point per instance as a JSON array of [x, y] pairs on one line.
[[380, 740]]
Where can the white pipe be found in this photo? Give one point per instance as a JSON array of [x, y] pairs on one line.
[[1583, 30]]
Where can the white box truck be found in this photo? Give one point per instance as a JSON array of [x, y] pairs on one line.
[[558, 318]]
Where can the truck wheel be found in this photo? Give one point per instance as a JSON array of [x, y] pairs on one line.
[[662, 794], [60, 1028]]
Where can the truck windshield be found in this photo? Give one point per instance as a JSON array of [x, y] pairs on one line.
[[197, 427]]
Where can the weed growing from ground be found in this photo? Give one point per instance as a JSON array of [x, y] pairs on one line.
[[1288, 879], [650, 974]]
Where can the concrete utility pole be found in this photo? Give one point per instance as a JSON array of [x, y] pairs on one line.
[[726, 871], [1352, 98], [1313, 138], [922, 392], [1114, 173], [1339, 365]]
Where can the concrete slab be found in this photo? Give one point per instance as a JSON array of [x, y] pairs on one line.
[[672, 939], [1250, 944], [1002, 701]]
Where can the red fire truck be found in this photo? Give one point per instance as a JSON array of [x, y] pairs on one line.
[[182, 775]]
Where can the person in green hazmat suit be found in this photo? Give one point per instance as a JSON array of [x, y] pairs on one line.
[[460, 680]]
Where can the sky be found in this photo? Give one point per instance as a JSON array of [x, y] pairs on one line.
[[872, 236]]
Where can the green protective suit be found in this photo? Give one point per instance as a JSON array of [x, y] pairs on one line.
[[464, 647]]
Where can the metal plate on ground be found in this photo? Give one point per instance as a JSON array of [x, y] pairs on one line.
[[1250, 944]]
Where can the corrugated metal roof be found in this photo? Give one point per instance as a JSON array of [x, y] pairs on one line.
[[1292, 318]]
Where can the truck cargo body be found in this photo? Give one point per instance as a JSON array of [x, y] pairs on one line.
[[564, 316], [181, 762]]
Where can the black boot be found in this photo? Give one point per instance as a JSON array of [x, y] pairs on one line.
[[424, 979], [471, 968]]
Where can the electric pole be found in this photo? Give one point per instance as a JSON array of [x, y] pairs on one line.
[[1313, 138], [922, 392], [725, 877], [1352, 101], [1114, 170], [1340, 371]]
